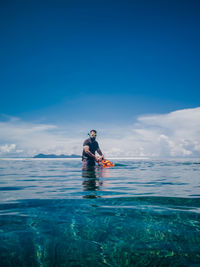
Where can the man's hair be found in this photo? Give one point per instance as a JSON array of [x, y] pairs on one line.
[[93, 131]]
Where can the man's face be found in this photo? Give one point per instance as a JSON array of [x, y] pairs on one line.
[[93, 134]]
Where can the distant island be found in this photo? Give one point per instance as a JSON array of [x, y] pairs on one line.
[[56, 156]]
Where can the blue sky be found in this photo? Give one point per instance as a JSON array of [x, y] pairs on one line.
[[97, 62]]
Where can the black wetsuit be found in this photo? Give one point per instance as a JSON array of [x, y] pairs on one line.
[[93, 146]]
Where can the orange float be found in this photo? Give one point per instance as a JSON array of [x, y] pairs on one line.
[[107, 163]]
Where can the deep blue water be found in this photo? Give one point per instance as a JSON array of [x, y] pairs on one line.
[[138, 213]]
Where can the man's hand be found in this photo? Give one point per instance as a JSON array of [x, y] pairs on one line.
[[102, 157], [97, 159]]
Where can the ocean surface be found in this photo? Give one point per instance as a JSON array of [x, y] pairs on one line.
[[138, 213]]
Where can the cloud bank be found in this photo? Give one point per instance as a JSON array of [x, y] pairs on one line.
[[19, 138], [176, 134]]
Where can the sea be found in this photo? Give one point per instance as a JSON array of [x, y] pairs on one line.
[[141, 212]]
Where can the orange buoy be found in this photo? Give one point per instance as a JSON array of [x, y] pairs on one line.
[[107, 163]]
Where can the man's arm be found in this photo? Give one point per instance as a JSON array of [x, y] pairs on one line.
[[87, 150], [100, 153]]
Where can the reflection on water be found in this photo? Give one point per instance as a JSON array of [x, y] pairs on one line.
[[94, 180]]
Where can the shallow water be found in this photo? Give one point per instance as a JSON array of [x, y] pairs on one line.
[[138, 213]]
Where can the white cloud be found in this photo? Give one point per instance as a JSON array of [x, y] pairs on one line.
[[32, 138], [7, 148], [176, 134]]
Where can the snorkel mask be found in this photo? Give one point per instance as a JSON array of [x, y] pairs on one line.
[[93, 134]]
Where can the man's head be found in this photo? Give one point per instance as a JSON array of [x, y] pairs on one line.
[[93, 134]]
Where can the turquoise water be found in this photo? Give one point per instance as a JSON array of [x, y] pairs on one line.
[[138, 213]]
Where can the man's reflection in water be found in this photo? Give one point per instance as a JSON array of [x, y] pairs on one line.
[[93, 181]]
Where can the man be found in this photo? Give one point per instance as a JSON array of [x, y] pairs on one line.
[[90, 146]]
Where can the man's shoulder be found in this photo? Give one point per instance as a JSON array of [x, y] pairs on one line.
[[87, 141]]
